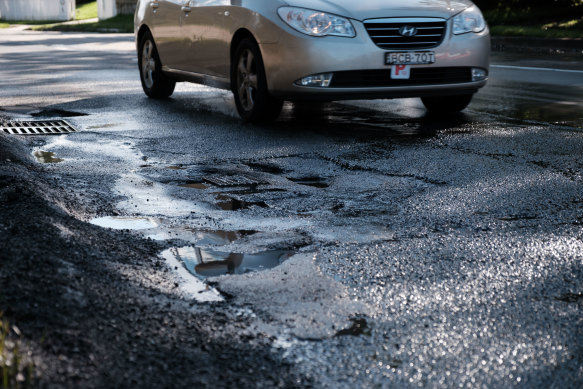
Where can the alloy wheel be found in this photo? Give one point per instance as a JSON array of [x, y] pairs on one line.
[[148, 64], [247, 80]]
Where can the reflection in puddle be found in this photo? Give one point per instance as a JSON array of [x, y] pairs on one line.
[[219, 237], [561, 113], [124, 223], [46, 157], [196, 288], [199, 237], [210, 263], [228, 203]]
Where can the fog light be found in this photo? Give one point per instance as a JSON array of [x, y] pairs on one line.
[[479, 74], [317, 80]]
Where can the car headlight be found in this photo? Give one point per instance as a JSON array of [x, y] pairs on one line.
[[316, 23], [470, 20]]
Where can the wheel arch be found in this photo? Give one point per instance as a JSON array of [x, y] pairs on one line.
[[239, 35], [141, 31]]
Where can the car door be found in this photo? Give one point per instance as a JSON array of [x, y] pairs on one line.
[[206, 42], [166, 29]]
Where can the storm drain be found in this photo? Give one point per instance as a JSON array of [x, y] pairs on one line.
[[236, 180], [37, 127]]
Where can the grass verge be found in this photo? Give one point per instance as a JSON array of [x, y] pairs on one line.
[[16, 370], [119, 23], [86, 11]]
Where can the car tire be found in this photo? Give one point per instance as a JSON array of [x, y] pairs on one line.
[[154, 82], [249, 85], [446, 104]]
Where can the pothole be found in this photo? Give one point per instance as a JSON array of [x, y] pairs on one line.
[[199, 237], [228, 203], [125, 222], [57, 113], [204, 263], [266, 167], [195, 185], [518, 217], [196, 288], [232, 180], [570, 297], [359, 327], [316, 182], [46, 157]]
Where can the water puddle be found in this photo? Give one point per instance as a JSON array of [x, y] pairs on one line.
[[46, 157], [110, 125], [228, 203], [205, 263], [200, 237], [219, 237], [192, 286], [125, 223], [175, 167]]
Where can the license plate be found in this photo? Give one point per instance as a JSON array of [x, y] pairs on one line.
[[410, 58]]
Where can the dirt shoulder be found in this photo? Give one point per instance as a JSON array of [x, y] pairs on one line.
[[97, 308]]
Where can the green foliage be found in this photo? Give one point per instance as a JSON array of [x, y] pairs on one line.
[[487, 5], [535, 32], [540, 18]]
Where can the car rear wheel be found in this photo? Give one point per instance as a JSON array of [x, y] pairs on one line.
[[249, 85], [155, 83], [446, 104]]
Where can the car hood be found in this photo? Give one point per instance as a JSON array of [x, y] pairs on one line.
[[370, 9]]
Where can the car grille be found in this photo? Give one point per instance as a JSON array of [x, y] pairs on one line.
[[387, 35], [419, 76]]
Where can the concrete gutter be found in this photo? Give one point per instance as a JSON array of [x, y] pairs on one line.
[[538, 45]]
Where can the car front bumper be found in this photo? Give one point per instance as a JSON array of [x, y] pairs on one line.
[[352, 59]]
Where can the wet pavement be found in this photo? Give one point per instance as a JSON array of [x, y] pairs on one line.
[[377, 246]]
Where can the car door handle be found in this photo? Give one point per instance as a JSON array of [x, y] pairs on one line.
[[154, 4]]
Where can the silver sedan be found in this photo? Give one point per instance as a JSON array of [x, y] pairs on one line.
[[268, 51]]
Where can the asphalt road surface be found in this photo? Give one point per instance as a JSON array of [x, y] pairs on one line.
[[375, 246]]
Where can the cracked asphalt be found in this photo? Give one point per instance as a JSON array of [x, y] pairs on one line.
[[396, 249]]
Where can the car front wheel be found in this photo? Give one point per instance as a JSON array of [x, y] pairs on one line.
[[446, 104], [155, 83], [249, 85]]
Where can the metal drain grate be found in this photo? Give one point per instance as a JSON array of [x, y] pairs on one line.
[[37, 127], [239, 180]]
